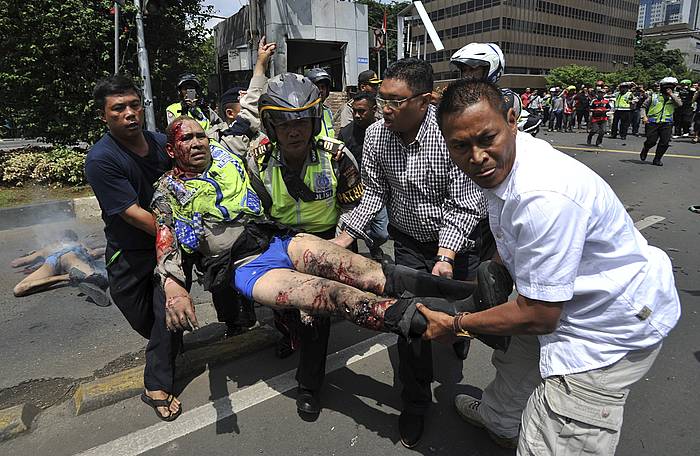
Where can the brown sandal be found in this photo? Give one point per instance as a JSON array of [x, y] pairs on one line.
[[155, 403]]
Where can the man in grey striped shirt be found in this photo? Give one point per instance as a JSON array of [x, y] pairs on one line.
[[436, 213]]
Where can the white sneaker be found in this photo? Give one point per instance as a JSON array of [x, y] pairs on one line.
[[685, 135], [675, 136], [468, 408]]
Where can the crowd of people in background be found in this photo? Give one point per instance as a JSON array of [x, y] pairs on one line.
[[566, 109], [667, 110]]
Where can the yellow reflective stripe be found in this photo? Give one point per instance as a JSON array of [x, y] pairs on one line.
[[280, 108]]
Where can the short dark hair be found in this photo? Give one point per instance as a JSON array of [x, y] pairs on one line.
[[465, 93], [118, 84], [417, 74], [370, 97]]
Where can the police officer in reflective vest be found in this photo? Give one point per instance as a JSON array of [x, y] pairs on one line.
[[657, 115], [192, 103], [322, 79], [303, 182], [623, 111]]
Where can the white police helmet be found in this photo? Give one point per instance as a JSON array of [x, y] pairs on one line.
[[481, 54], [669, 80]]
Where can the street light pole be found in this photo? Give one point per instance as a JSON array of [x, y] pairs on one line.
[[116, 37], [145, 72]]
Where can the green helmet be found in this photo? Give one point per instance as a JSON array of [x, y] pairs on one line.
[[686, 81]]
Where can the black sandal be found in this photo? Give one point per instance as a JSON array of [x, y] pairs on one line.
[[155, 403], [695, 209]]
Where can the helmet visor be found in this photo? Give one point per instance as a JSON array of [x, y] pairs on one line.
[[278, 115]]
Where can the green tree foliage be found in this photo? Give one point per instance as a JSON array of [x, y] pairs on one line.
[[572, 75], [376, 19], [654, 52], [53, 52], [652, 62]]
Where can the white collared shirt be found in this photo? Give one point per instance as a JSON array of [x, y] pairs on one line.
[[565, 237]]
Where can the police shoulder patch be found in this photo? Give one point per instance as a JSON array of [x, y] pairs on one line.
[[330, 145], [261, 147]]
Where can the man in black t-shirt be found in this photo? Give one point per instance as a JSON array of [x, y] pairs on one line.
[[121, 169]]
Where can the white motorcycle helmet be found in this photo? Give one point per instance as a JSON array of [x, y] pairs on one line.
[[475, 55], [668, 81]]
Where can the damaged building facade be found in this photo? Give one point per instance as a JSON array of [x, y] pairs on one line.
[[328, 34]]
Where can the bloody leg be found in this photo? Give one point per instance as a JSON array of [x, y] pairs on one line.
[[317, 257], [285, 289]]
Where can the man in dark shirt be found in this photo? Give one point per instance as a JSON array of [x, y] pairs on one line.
[[121, 169], [364, 109], [364, 114]]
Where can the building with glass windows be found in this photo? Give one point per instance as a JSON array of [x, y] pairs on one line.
[[535, 35]]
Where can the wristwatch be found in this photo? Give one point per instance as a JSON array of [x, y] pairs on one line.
[[444, 258], [457, 328]]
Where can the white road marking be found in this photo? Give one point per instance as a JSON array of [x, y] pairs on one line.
[[159, 434], [646, 222]]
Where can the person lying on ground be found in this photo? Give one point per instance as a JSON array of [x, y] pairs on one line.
[[64, 261], [206, 204]]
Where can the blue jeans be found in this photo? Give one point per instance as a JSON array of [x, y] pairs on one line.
[[378, 228]]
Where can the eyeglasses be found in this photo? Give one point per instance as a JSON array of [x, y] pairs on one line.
[[394, 104]]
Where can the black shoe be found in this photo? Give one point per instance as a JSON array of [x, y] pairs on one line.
[[494, 285], [307, 401], [76, 276], [657, 162], [401, 279], [643, 155], [410, 429], [95, 293], [461, 348]]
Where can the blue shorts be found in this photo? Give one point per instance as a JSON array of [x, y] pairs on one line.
[[275, 257], [54, 259]]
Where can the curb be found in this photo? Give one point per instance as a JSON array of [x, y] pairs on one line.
[[129, 383], [16, 420], [84, 208]]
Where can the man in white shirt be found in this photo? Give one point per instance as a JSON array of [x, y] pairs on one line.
[[599, 298]]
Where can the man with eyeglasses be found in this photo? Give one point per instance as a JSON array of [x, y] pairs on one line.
[[433, 209]]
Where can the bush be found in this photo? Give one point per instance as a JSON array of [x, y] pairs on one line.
[[58, 166]]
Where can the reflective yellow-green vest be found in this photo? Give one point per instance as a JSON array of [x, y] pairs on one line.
[[319, 176], [661, 109], [622, 101], [326, 124], [175, 110], [221, 193]]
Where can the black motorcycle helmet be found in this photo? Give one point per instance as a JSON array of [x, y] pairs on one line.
[[289, 97], [318, 75], [189, 79]]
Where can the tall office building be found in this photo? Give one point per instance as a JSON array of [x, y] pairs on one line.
[[655, 13], [535, 35]]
